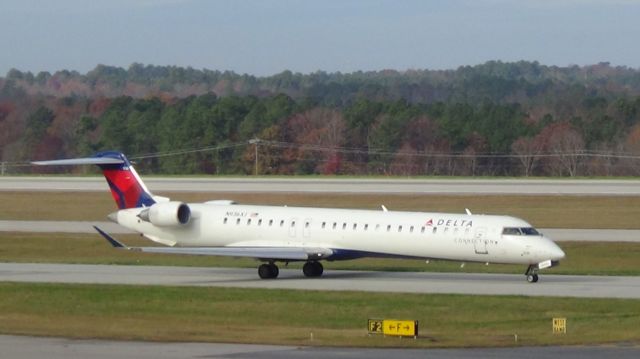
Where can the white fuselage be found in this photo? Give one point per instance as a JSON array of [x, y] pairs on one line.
[[352, 233]]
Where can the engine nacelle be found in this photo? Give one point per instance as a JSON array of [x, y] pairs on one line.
[[167, 214]]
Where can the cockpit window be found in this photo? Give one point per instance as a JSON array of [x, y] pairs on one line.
[[530, 231], [511, 231], [515, 231]]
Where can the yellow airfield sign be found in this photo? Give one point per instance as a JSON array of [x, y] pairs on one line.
[[559, 325], [401, 328], [375, 326]]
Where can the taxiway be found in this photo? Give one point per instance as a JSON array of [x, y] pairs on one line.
[[17, 347], [339, 185], [332, 280]]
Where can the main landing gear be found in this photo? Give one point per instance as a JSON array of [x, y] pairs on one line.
[[312, 269], [268, 271], [532, 274], [271, 271]]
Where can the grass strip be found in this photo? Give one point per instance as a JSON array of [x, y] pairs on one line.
[[584, 258], [612, 212], [289, 317]]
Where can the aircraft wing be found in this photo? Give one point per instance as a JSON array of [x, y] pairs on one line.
[[280, 253]]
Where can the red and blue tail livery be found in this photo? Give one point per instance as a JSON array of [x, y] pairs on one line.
[[127, 188]]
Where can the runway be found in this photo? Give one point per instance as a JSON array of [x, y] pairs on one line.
[[17, 347], [558, 235], [332, 280], [339, 185]]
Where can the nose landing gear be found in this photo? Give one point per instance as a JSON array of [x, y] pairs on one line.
[[532, 274]]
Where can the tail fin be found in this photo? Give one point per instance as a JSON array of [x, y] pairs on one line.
[[127, 188]]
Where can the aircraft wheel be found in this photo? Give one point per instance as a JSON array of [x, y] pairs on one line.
[[312, 269], [319, 268], [268, 271], [264, 271], [532, 278], [274, 271]]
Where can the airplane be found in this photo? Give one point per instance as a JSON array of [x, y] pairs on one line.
[[275, 234]]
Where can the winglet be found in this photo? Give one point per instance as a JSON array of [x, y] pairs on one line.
[[114, 242]]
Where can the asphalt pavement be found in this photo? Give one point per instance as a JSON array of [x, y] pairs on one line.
[[18, 347], [626, 187], [332, 280]]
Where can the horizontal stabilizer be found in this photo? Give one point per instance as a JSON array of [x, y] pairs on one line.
[[114, 242], [81, 161]]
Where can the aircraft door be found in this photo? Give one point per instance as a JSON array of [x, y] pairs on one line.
[[480, 240]]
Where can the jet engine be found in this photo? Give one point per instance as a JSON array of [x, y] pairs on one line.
[[167, 214]]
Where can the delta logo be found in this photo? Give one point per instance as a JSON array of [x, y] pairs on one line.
[[449, 223]]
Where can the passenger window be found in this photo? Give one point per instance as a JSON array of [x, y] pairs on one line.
[[344, 226], [355, 226], [388, 228], [306, 225], [399, 229], [435, 230], [248, 221], [335, 225], [422, 230], [377, 227], [411, 229], [324, 224], [238, 221], [260, 222], [293, 223], [366, 226], [225, 220], [281, 222], [270, 222]]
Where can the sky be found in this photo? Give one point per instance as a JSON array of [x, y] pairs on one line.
[[265, 37]]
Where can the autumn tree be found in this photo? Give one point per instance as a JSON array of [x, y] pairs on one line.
[[527, 150], [319, 134], [565, 146]]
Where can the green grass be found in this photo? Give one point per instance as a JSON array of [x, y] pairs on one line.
[[335, 318], [582, 257], [289, 316], [541, 211]]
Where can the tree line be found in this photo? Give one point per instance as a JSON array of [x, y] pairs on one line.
[[499, 119]]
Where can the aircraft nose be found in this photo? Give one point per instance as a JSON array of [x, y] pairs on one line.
[[556, 252]]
